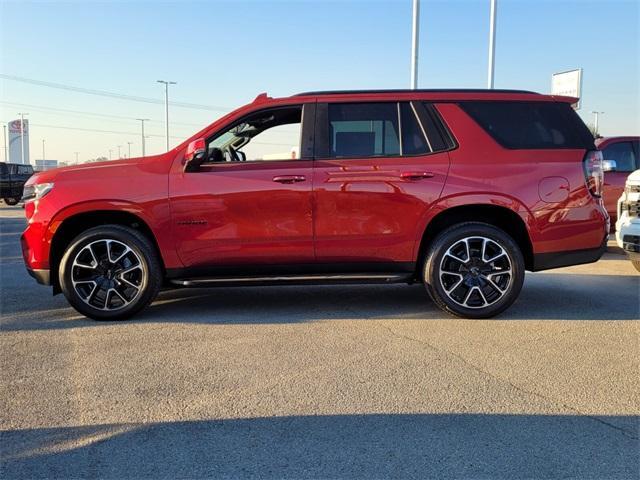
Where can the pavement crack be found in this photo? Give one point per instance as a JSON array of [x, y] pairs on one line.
[[622, 430]]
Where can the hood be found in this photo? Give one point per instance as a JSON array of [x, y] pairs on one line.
[[634, 177], [94, 169]]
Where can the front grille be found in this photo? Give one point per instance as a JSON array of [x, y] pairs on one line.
[[631, 243]]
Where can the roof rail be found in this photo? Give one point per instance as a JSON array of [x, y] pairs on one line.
[[401, 90]]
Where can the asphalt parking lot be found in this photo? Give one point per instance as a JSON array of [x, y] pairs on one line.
[[331, 382]]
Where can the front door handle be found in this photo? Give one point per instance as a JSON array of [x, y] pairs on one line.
[[416, 175], [289, 178]]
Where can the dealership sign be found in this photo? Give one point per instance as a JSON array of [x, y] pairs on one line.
[[16, 141], [568, 84]]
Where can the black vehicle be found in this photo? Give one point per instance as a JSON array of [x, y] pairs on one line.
[[13, 176]]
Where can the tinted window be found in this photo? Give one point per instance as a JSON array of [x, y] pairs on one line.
[[25, 169], [531, 125], [413, 140], [363, 129], [3, 169], [623, 154]]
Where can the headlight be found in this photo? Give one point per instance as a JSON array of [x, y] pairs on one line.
[[36, 192]]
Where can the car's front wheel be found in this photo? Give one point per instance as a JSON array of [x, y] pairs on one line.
[[11, 200], [110, 272], [474, 270]]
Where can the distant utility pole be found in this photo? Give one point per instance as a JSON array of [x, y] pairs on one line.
[[595, 122], [22, 134], [43, 157], [129, 145], [142, 120], [119, 155], [414, 44], [6, 152], [492, 42], [110, 152], [166, 107], [76, 154]]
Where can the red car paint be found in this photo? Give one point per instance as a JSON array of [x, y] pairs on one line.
[[614, 181], [336, 211]]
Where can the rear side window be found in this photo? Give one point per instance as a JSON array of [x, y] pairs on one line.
[[531, 125], [363, 129], [623, 154]]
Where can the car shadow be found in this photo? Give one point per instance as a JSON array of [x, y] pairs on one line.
[[333, 446]]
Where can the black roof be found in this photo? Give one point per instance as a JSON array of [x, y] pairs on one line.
[[400, 90]]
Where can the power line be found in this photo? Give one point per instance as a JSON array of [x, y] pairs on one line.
[[93, 114], [105, 93]]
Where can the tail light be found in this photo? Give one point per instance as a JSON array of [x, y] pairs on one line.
[[593, 172]]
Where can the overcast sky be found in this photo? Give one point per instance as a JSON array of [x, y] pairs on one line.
[[222, 54]]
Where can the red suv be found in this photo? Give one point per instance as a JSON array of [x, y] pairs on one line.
[[462, 190]]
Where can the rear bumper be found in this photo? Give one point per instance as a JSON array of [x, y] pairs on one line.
[[42, 276], [547, 261]]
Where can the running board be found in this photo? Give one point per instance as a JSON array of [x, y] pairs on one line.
[[322, 279]]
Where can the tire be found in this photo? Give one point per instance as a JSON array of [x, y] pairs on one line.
[[112, 284], [470, 293], [636, 263], [11, 201]]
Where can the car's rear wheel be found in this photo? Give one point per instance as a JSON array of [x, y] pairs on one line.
[[11, 200], [110, 272], [474, 270]]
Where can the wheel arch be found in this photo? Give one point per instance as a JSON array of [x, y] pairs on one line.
[[499, 216], [75, 224]]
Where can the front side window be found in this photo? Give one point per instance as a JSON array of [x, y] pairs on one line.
[[622, 153], [267, 135]]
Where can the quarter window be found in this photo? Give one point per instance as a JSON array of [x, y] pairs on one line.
[[413, 139]]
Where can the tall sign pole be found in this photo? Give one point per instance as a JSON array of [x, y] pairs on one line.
[[414, 44], [6, 152], [492, 42], [22, 135]]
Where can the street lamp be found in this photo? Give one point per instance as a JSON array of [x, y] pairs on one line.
[[76, 154], [43, 157], [119, 156], [166, 107], [142, 120], [110, 152], [129, 145]]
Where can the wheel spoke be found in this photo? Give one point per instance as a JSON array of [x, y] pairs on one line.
[[455, 285], [124, 300]]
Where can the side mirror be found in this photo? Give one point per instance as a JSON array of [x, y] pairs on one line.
[[195, 155], [609, 165]]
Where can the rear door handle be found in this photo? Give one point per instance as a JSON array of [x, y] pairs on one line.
[[416, 175], [289, 178]]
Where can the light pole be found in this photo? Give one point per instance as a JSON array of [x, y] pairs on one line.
[[6, 152], [119, 156], [22, 134], [142, 120], [166, 107], [43, 157], [414, 44], [492, 42], [129, 145], [595, 122], [110, 152], [76, 154]]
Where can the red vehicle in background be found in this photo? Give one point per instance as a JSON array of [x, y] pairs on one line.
[[460, 190], [621, 156]]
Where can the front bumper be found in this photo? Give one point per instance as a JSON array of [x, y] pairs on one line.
[[41, 275]]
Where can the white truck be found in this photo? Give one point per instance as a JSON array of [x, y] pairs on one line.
[[628, 224]]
